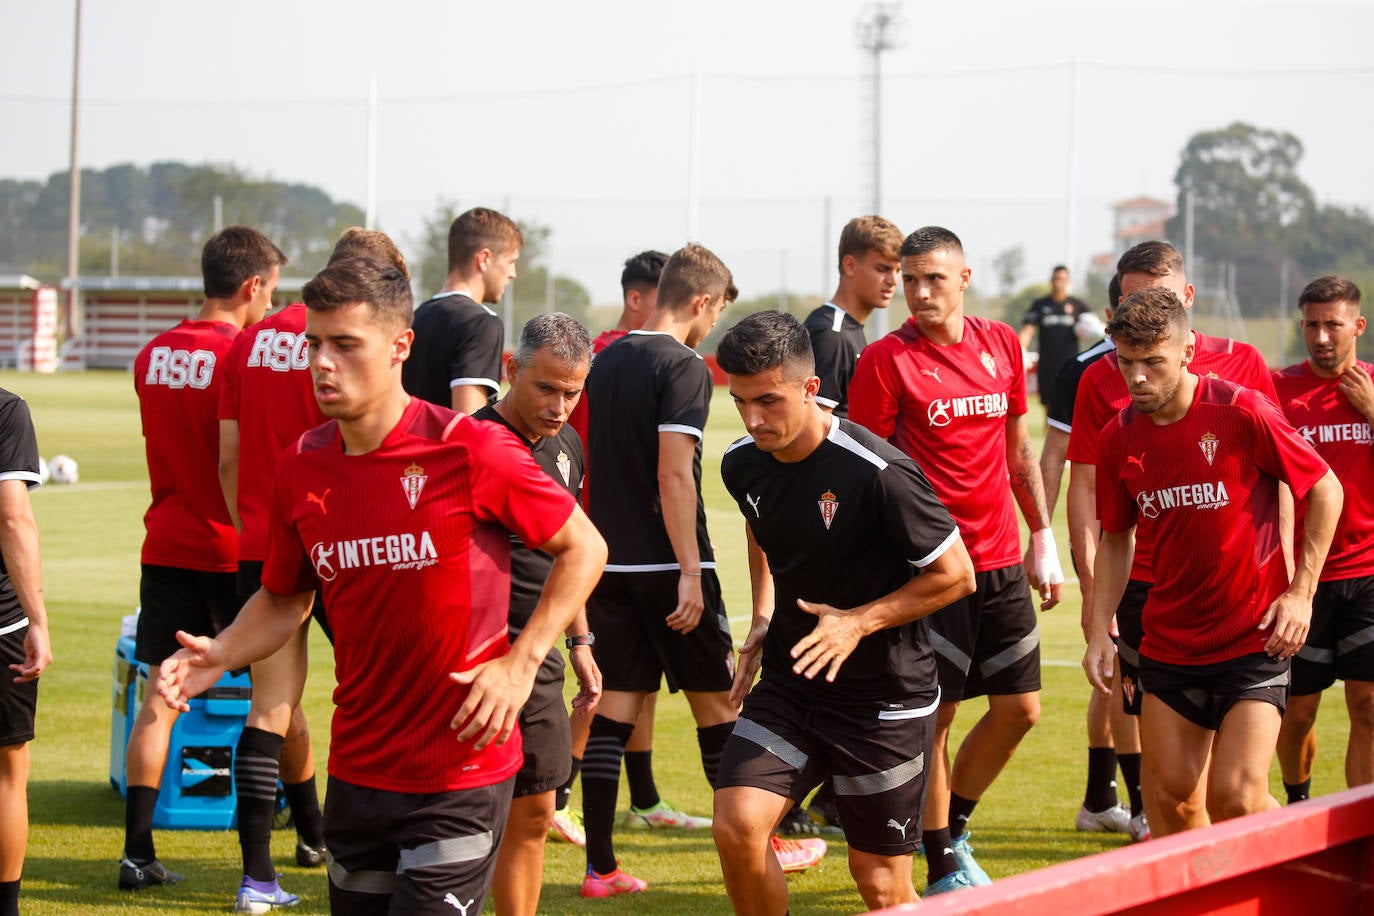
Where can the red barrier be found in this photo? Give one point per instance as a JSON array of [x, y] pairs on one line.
[[1314, 858]]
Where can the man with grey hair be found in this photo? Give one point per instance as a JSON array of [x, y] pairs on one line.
[[546, 375]]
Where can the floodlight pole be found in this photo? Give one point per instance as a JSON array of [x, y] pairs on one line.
[[876, 31], [72, 323]]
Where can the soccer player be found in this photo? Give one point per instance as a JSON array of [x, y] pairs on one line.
[[190, 553], [869, 268], [546, 372], [1102, 393], [848, 687], [1055, 317], [950, 391], [657, 611], [266, 402], [1198, 461], [25, 647], [399, 511], [456, 359], [1329, 398]]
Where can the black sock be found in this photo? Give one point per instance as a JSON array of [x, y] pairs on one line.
[[939, 857], [304, 799], [960, 810], [1300, 792], [1101, 793], [138, 823], [639, 772], [564, 792], [9, 898], [600, 785], [711, 740], [1130, 772], [256, 762]]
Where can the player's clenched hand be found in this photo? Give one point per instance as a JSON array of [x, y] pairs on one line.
[[827, 646], [190, 670], [1099, 663], [1358, 389], [588, 675], [690, 604], [1291, 615], [748, 662], [37, 655], [1046, 572], [492, 707]]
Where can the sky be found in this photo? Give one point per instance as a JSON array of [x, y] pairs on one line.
[[580, 116]]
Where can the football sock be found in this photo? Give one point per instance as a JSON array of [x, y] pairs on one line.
[[256, 762], [939, 857], [1101, 793], [639, 771], [1130, 772], [600, 785], [560, 797], [304, 799], [960, 810], [9, 898], [711, 740], [138, 823], [1300, 792]]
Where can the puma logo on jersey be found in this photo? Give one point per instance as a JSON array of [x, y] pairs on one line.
[[1303, 401], [933, 373], [892, 822], [180, 368], [280, 351], [460, 907], [753, 502], [319, 500], [1139, 462]]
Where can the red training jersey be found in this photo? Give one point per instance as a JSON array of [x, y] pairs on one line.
[[409, 546], [1340, 434], [268, 391], [1204, 491], [947, 407], [1102, 394], [177, 377]]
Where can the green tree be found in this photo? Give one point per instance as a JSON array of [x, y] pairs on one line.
[[1008, 265]]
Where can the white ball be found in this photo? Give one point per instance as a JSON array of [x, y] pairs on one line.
[[63, 469], [44, 475]]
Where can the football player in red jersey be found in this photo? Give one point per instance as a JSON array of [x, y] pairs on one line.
[[399, 510], [1200, 462]]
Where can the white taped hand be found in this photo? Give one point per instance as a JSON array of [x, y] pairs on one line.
[[1045, 558]]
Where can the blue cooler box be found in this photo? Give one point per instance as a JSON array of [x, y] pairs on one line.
[[197, 790]]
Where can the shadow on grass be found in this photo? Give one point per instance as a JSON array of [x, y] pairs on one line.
[[75, 803]]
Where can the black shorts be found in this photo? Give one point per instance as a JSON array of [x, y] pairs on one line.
[[18, 702], [989, 642], [547, 733], [401, 852], [635, 647], [1204, 694], [786, 743], [1130, 624], [201, 603], [1340, 643], [249, 580]]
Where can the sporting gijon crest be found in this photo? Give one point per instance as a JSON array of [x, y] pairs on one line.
[[413, 483]]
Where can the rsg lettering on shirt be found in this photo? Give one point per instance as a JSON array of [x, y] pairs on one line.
[[1194, 495], [399, 551], [942, 410], [180, 368], [280, 351]]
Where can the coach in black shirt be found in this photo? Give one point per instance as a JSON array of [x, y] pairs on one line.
[[1055, 316]]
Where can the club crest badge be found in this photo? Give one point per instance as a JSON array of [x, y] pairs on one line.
[[413, 482], [1208, 444], [564, 466], [1128, 688], [829, 506], [989, 363]]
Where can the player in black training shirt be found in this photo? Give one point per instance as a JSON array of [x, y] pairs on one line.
[[859, 549], [657, 611], [546, 372], [1054, 315], [869, 271], [456, 358]]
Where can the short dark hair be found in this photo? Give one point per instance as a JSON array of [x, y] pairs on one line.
[[561, 334], [1113, 291], [1153, 258], [691, 271], [870, 233], [1330, 288], [642, 271], [1146, 317], [369, 243], [349, 281], [1058, 268], [235, 254], [928, 239], [764, 341], [480, 228]]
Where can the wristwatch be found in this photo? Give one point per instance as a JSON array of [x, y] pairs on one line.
[[573, 642]]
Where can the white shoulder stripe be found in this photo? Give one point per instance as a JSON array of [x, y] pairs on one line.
[[827, 402], [27, 476], [491, 383], [740, 443], [934, 555], [849, 443], [838, 322], [1056, 424], [679, 428]]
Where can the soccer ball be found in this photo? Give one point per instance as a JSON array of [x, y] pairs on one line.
[[44, 475], [63, 469]]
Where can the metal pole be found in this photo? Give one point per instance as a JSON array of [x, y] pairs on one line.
[[218, 213], [548, 280], [114, 251], [877, 32], [1283, 313], [694, 164], [827, 250], [370, 217], [1071, 193], [73, 322], [1188, 230], [508, 298]]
